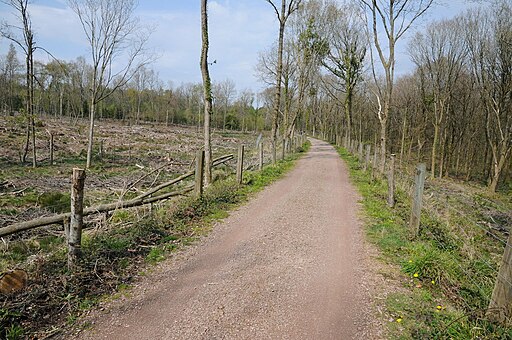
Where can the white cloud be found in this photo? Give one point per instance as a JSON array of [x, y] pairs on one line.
[[237, 30], [59, 31]]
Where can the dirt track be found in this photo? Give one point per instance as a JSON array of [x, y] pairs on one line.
[[288, 265]]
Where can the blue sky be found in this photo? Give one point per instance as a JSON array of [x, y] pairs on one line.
[[239, 30]]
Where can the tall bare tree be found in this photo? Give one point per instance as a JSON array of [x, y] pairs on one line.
[[345, 54], [140, 81], [440, 56], [301, 56], [394, 18], [489, 37], [27, 44], [112, 33], [283, 14], [10, 68], [224, 93], [207, 92]]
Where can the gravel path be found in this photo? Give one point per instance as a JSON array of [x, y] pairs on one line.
[[290, 264]]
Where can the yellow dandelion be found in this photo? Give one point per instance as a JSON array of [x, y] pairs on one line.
[[410, 261], [433, 282], [439, 307], [416, 275], [399, 320]]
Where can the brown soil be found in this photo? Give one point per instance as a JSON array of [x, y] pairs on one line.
[[290, 264]]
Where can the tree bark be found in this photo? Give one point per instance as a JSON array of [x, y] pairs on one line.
[[498, 162], [91, 131], [77, 217], [207, 88], [279, 75]]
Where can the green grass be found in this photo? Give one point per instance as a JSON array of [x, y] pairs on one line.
[[447, 289]]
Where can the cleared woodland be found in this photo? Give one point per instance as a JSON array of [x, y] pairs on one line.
[[332, 73]]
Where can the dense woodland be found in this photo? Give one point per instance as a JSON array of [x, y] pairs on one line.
[[336, 77], [61, 91]]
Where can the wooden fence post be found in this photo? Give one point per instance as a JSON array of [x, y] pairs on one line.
[[240, 164], [284, 149], [260, 155], [199, 175], [77, 219], [500, 306], [391, 182], [51, 148], [419, 184]]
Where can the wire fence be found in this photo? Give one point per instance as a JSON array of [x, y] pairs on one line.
[[102, 189], [481, 246]]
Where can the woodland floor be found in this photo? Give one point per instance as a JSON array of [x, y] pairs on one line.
[[129, 152], [292, 263]]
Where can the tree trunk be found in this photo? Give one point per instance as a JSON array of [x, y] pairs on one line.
[[224, 119], [402, 143], [91, 131], [77, 211], [348, 114], [31, 112], [33, 127], [442, 154], [27, 141], [207, 88], [383, 139], [61, 103], [434, 145], [498, 163], [279, 75]]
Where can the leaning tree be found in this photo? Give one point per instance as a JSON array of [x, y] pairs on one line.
[[388, 21]]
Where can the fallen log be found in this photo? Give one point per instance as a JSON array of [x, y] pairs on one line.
[[215, 162], [164, 185], [58, 219], [137, 201]]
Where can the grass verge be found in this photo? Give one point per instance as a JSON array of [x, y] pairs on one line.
[[446, 289], [114, 254]]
